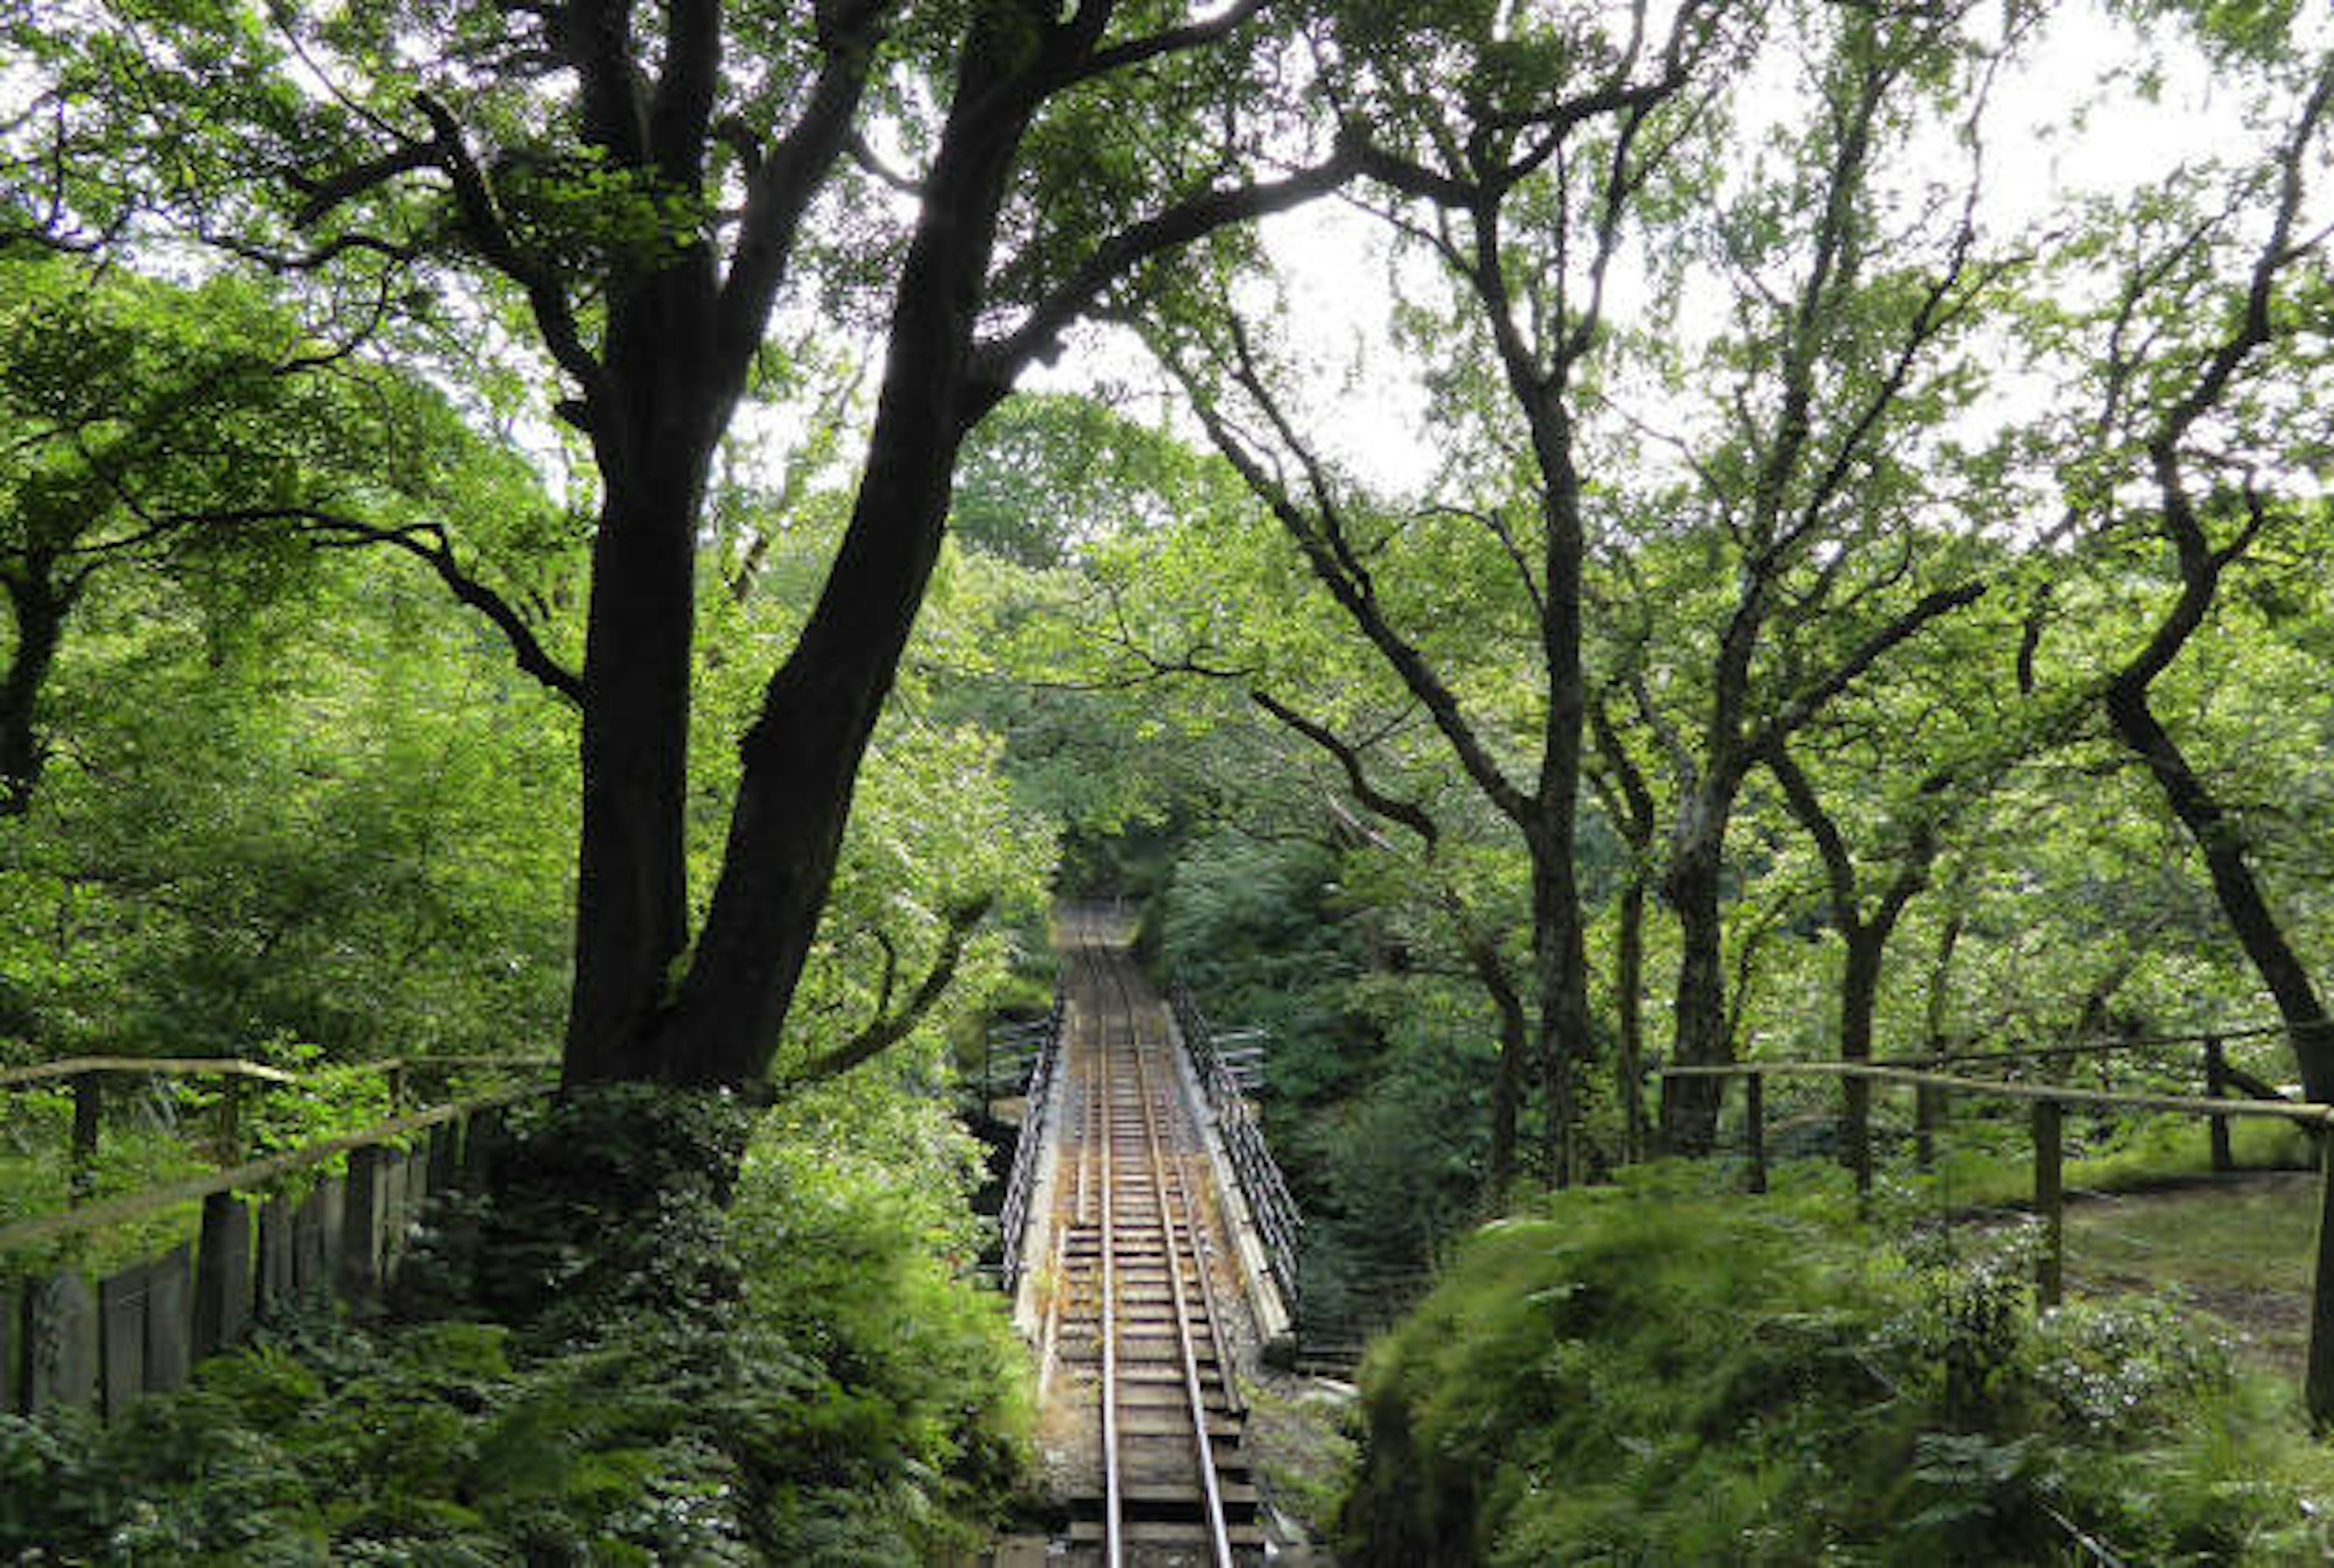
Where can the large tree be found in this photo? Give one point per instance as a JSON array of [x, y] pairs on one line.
[[2201, 366], [1808, 532], [1517, 167], [647, 189]]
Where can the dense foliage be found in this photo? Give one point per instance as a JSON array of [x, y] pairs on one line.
[[1652, 1375], [1782, 529], [807, 1377]]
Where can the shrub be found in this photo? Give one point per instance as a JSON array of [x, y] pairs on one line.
[[1646, 1376]]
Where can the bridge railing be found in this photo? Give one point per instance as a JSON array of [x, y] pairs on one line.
[[1012, 1217], [1279, 1222]]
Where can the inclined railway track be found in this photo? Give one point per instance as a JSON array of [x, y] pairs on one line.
[[1139, 1305]]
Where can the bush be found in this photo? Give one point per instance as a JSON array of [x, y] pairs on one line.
[[1647, 1376], [802, 1377]]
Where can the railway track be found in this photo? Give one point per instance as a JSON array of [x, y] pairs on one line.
[[1140, 1324]]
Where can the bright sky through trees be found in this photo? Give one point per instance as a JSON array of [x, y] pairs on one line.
[[2092, 107]]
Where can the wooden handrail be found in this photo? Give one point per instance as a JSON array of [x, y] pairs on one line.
[[166, 1066], [2195, 1105], [235, 1067], [136, 1206], [386, 1062]]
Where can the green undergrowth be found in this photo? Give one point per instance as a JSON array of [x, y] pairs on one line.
[[1980, 1167], [1652, 1375], [779, 1362]]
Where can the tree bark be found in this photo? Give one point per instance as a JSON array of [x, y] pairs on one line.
[[1689, 1105], [1560, 967], [38, 604], [801, 757], [1859, 997], [2243, 903], [1508, 1076], [632, 884]]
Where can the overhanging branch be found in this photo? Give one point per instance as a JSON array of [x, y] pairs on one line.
[[890, 1028]]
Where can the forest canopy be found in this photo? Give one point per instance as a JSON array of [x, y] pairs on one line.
[[524, 524]]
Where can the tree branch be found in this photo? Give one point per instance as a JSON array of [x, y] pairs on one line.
[[996, 363], [889, 1029], [1407, 813]]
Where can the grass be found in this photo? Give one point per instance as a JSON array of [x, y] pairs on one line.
[[1653, 1374], [2241, 1253]]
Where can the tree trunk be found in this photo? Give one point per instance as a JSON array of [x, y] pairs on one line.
[[38, 604], [1859, 997], [632, 885], [802, 756], [1483, 953], [1629, 1002], [1560, 966], [2222, 840], [1689, 1105]]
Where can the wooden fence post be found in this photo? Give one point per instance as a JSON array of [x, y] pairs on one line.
[[481, 1139], [363, 1209], [2216, 1087], [276, 1280], [168, 1360], [2050, 1202], [60, 1338], [2318, 1378], [122, 1339], [230, 1123], [89, 1110], [12, 1351], [309, 1275], [1754, 1126], [223, 1275]]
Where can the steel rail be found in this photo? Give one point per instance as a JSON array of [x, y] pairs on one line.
[[1154, 1156], [1113, 1504], [1204, 1453]]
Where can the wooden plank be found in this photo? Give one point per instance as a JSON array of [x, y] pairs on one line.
[[2049, 1201], [59, 1339], [361, 1222], [308, 1275], [12, 1351], [445, 1157], [482, 1140], [275, 1278], [395, 1181], [169, 1323], [331, 1195], [154, 1200], [163, 1066], [121, 1340], [223, 1289], [228, 1133]]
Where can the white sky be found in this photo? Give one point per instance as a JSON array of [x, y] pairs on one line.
[[2067, 121]]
